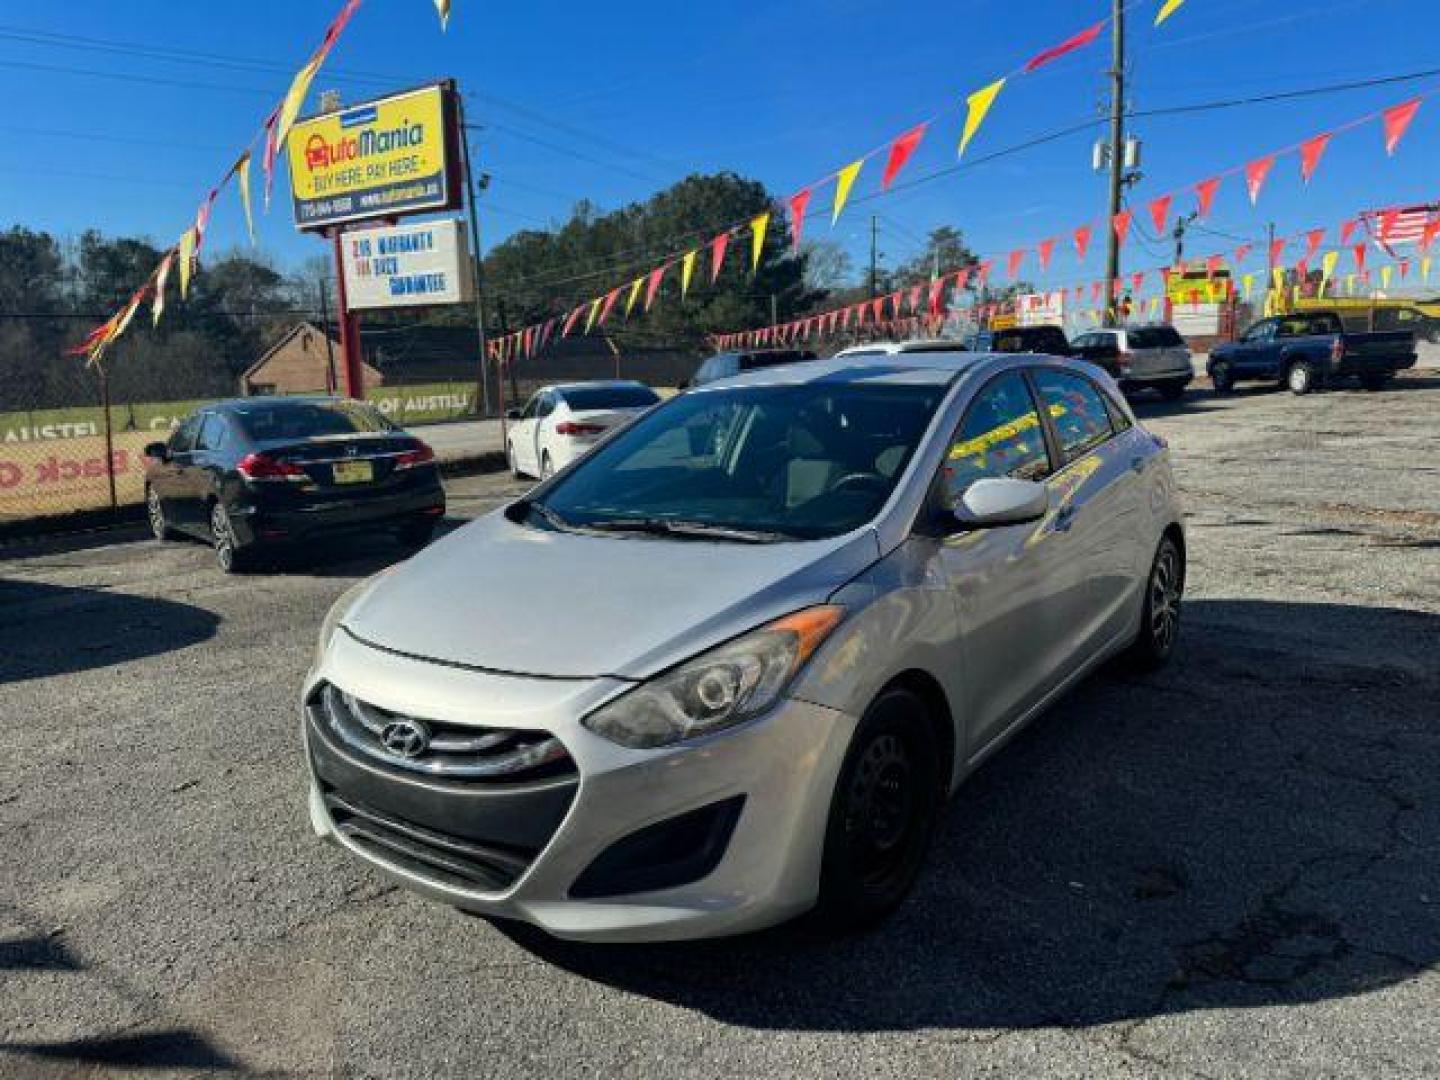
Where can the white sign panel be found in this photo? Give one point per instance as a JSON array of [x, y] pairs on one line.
[[1041, 309], [407, 266]]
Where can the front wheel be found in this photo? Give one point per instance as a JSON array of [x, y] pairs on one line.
[[1300, 377], [1160, 616], [882, 815], [1222, 377]]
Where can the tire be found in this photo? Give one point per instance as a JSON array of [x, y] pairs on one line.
[[547, 468], [417, 533], [1300, 377], [510, 461], [882, 815], [1222, 377], [1374, 382], [231, 558], [1154, 644], [1172, 391], [155, 513]]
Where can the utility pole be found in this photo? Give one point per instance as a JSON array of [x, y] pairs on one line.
[[1181, 224], [1117, 154], [774, 309], [875, 255], [473, 186]]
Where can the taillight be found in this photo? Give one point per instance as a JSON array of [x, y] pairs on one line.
[[1337, 349], [421, 455], [569, 427], [264, 467]]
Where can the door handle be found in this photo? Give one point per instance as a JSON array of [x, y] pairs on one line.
[[1064, 519]]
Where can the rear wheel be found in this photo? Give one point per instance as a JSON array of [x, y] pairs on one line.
[[1374, 382], [1222, 377], [883, 813], [228, 554], [1300, 377], [155, 512], [1160, 617]]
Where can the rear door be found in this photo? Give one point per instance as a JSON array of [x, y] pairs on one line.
[[1097, 492], [206, 463]]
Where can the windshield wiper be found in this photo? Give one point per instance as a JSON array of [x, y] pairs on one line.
[[551, 518], [697, 530]]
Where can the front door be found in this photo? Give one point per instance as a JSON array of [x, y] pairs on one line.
[[522, 436], [170, 479]]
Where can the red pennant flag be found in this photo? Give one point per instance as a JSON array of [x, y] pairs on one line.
[[1082, 241], [1427, 238], [1069, 45], [653, 287], [900, 151], [1212, 267], [717, 255], [1404, 269], [799, 202], [1310, 152], [1160, 212], [1137, 281], [961, 277], [1243, 251], [915, 297], [1313, 239], [877, 309], [1397, 122], [1122, 225], [1255, 174], [1359, 251], [1205, 195], [983, 271], [1095, 288], [1277, 248], [605, 308], [937, 288], [1044, 250], [1302, 269], [570, 320], [1013, 266], [1347, 230]]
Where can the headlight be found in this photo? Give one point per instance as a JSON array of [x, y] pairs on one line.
[[719, 689]]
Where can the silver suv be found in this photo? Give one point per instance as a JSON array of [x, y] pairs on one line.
[[1140, 358]]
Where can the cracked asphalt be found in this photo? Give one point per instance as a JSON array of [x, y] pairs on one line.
[[1229, 869]]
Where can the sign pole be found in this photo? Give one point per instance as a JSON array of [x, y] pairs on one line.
[[476, 253], [349, 325]]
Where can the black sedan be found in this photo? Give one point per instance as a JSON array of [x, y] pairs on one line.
[[253, 472]]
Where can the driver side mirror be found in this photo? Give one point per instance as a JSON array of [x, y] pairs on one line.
[[512, 414], [992, 502], [157, 451]]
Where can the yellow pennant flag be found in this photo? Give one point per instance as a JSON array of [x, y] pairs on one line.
[[1247, 282], [758, 228], [1277, 273], [295, 101], [242, 179], [635, 287], [687, 269], [157, 306], [187, 261], [126, 318], [443, 7], [1385, 277], [1425, 268], [1167, 9], [978, 104], [594, 310], [844, 181], [1327, 268]]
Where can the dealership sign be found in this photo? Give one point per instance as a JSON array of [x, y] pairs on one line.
[[1041, 309], [407, 266], [382, 159]]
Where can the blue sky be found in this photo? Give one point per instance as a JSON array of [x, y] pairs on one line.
[[616, 101]]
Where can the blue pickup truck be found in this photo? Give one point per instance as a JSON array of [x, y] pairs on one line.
[[1307, 350]]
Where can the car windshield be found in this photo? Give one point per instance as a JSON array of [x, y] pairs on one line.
[[749, 464], [583, 398], [276, 420]]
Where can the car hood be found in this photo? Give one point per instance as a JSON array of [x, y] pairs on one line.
[[511, 598]]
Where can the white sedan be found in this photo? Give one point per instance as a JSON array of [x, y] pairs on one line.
[[561, 423]]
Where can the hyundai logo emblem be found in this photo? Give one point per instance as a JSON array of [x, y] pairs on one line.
[[405, 738]]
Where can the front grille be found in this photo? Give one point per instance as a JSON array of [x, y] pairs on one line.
[[423, 851], [437, 749]]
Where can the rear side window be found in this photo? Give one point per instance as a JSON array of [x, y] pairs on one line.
[[1077, 412], [1001, 436], [756, 361], [1156, 337], [212, 433], [183, 441]]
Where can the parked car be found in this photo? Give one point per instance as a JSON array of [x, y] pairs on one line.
[[1045, 340], [729, 364], [725, 668], [561, 423], [892, 348], [258, 472], [1141, 358], [1305, 351]]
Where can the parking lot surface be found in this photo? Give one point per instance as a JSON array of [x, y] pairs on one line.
[[1229, 869]]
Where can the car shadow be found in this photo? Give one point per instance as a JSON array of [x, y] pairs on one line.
[[344, 555], [1254, 826], [51, 630]]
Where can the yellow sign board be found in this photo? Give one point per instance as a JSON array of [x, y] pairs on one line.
[[1199, 288], [381, 159]]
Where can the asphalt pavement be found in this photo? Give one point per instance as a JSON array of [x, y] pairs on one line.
[[1229, 869]]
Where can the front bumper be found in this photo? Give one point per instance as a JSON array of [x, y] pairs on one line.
[[778, 773]]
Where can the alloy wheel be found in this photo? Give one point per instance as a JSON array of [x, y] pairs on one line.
[[1165, 599], [223, 537], [156, 513]]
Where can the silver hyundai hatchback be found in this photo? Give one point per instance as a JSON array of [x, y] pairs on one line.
[[727, 668]]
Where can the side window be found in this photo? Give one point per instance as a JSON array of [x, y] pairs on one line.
[[1000, 436], [530, 407], [1261, 331], [212, 433], [1077, 411], [546, 406], [183, 440]]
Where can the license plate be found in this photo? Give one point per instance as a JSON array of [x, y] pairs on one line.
[[353, 472]]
